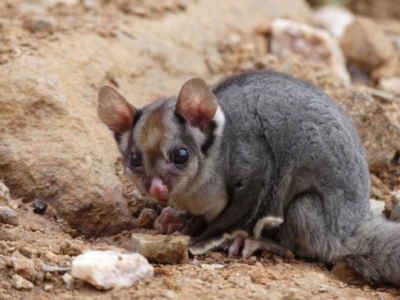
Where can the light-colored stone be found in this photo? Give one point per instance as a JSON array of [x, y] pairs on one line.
[[48, 287], [69, 281], [49, 256], [30, 252], [49, 3], [377, 207], [212, 266], [39, 277], [365, 44], [5, 262], [21, 283], [32, 9], [109, 269], [376, 193], [48, 276], [146, 218], [312, 44], [388, 69], [390, 84], [23, 266], [53, 259], [332, 18], [161, 248], [8, 216], [4, 195], [91, 4], [71, 247], [8, 234]]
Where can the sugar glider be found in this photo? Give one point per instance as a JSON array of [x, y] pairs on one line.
[[261, 160]]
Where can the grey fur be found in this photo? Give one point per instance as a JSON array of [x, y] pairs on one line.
[[287, 141], [288, 151]]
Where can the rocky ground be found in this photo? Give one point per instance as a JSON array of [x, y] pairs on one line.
[[55, 54]]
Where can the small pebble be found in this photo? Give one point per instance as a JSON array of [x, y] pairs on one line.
[[390, 84], [170, 294], [8, 216], [71, 247], [5, 262], [30, 252], [48, 276], [39, 207], [146, 218], [5, 285], [196, 263], [41, 26], [4, 195], [21, 283], [24, 266], [161, 248], [48, 287], [39, 276], [212, 266], [81, 238], [105, 270], [7, 234], [69, 281]]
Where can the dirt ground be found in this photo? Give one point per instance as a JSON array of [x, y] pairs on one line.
[[264, 276], [48, 240]]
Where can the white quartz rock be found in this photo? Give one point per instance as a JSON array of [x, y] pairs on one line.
[[109, 269], [313, 44], [333, 18]]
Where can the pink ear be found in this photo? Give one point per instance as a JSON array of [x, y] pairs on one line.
[[196, 103], [114, 111]]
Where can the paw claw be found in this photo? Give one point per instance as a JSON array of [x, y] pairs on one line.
[[235, 247], [174, 227], [250, 246]]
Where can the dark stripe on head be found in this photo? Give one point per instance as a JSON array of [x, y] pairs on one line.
[[117, 136], [181, 119], [152, 134], [138, 114], [210, 137]]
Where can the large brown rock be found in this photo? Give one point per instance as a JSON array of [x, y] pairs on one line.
[[378, 130], [364, 43], [313, 44], [52, 145], [379, 133], [50, 150]]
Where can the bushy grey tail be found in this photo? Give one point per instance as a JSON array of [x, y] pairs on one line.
[[374, 251]]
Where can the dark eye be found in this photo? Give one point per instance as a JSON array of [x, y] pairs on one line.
[[181, 156], [134, 161]]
